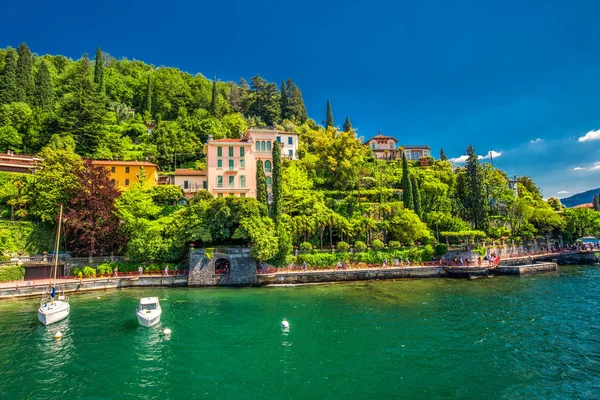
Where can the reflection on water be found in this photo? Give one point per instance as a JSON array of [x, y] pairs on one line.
[[528, 338]]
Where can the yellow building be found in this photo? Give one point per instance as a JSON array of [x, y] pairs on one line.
[[127, 173]]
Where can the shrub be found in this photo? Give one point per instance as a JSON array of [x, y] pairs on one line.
[[480, 250], [305, 246], [79, 275], [427, 253], [377, 244], [76, 271], [343, 246], [88, 272], [360, 246], [394, 244], [105, 268], [12, 273], [440, 249]]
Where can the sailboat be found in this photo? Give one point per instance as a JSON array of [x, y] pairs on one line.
[[53, 310]]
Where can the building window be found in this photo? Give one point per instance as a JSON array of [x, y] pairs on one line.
[[204, 185], [220, 181], [231, 165], [268, 146], [113, 169], [263, 146], [373, 146], [242, 163], [230, 151], [267, 166], [126, 182], [268, 181], [391, 145], [257, 146], [186, 184], [278, 139], [291, 153], [231, 181], [126, 170], [219, 151], [290, 140], [241, 152], [219, 163], [243, 181]]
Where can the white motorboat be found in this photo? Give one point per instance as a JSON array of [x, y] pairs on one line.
[[52, 310], [148, 311]]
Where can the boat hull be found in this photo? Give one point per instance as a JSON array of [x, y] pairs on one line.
[[148, 320], [49, 313]]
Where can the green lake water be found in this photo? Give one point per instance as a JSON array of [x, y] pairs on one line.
[[501, 338]]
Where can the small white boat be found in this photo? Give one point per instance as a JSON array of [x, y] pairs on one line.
[[148, 311], [52, 310]]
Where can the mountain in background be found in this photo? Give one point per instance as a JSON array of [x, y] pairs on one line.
[[580, 198]]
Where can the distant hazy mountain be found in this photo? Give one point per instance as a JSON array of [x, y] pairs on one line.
[[580, 198]]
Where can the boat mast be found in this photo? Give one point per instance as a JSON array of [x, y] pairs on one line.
[[57, 245]]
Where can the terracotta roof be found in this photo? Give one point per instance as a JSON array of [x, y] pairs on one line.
[[415, 146], [137, 163], [189, 172], [228, 140], [382, 137], [584, 205], [18, 157]]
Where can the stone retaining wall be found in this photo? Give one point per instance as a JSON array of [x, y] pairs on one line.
[[202, 268]]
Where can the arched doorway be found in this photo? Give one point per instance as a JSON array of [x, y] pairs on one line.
[[222, 266]]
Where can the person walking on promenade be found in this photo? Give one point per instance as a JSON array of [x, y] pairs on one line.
[[479, 261], [140, 270], [166, 269], [175, 270], [385, 263], [304, 265], [116, 271]]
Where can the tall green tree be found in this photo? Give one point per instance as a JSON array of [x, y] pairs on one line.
[[347, 125], [43, 93], [407, 195], [214, 100], [443, 156], [148, 97], [329, 117], [8, 78], [24, 75], [416, 197], [99, 71], [261, 184], [296, 110], [476, 205], [596, 203], [277, 183], [285, 112], [82, 113], [264, 101]]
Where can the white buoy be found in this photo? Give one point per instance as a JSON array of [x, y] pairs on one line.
[[167, 331], [285, 324], [58, 335]]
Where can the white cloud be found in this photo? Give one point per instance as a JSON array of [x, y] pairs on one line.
[[563, 192], [595, 167], [578, 169], [591, 135], [463, 159], [537, 140]]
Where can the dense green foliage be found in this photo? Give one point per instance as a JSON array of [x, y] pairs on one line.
[[12, 273], [336, 195]]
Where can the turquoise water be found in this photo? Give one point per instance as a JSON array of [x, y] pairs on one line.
[[500, 338]]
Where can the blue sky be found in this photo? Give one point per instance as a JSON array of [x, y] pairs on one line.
[[519, 78]]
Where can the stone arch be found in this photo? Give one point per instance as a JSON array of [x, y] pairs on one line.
[[222, 266]]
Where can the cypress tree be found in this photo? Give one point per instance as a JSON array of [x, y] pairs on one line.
[[407, 196], [43, 93], [295, 102], [214, 101], [443, 155], [99, 71], [476, 203], [285, 111], [416, 197], [24, 75], [277, 183], [596, 203], [8, 78], [148, 98], [347, 125], [329, 118], [261, 184]]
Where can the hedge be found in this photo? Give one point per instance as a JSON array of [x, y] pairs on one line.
[[12, 273], [414, 254]]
